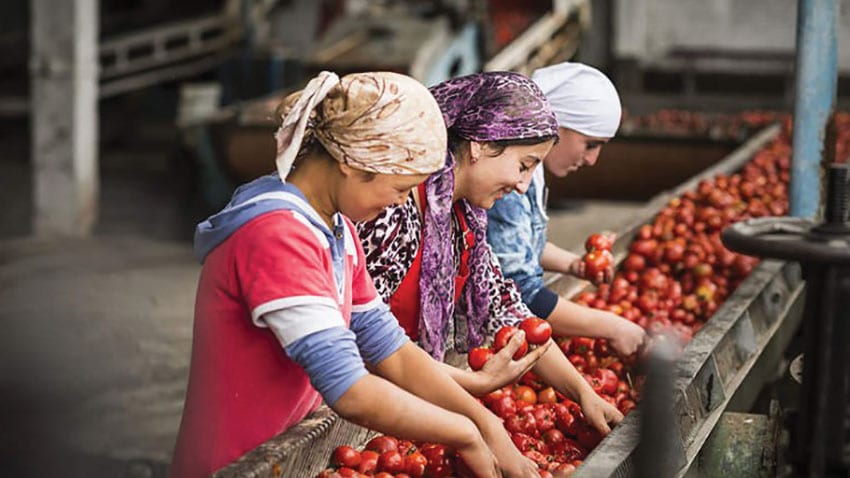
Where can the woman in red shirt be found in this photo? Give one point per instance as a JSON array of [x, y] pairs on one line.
[[286, 313]]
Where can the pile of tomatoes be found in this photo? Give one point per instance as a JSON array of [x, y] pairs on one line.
[[674, 277]]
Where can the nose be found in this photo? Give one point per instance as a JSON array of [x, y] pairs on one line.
[[522, 186], [591, 158]]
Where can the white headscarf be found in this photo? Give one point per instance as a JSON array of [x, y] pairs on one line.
[[582, 97]]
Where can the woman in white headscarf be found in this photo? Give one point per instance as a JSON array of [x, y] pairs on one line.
[[587, 108], [286, 314]]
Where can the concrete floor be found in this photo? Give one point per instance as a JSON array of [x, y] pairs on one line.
[[94, 358]]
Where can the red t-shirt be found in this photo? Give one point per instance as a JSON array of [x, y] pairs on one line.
[[243, 388]]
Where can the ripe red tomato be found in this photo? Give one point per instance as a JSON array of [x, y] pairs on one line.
[[532, 380], [478, 357], [504, 406], [368, 462], [384, 474], [598, 242], [537, 331], [382, 444], [547, 395], [391, 462], [538, 458], [526, 394], [415, 464], [544, 417], [564, 470], [346, 472], [346, 456], [596, 263], [553, 436], [626, 406], [588, 437], [607, 379], [582, 345], [503, 336], [329, 473], [520, 424]]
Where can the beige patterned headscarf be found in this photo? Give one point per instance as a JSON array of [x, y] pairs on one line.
[[378, 122]]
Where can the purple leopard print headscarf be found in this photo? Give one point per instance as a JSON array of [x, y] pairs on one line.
[[489, 106]]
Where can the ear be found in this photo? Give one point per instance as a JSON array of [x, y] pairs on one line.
[[476, 150], [346, 170]]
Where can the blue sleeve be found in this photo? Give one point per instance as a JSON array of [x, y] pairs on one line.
[[509, 232], [378, 333], [331, 359], [544, 303]]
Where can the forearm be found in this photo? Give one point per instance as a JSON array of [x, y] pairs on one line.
[[468, 380], [415, 371], [570, 318], [556, 259], [557, 371], [380, 405]]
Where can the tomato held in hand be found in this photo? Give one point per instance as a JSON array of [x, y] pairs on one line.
[[503, 336], [596, 262], [478, 357], [598, 242], [346, 456], [537, 331]]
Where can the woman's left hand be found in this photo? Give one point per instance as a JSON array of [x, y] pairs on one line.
[[578, 269], [598, 412], [502, 369]]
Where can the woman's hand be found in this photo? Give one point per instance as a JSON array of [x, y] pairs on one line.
[[480, 458], [502, 369], [577, 267], [598, 412], [511, 461], [626, 337]]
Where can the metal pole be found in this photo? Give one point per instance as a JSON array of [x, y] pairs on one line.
[[816, 82]]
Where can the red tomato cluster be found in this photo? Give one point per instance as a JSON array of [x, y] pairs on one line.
[[598, 258], [674, 278], [732, 126], [389, 457], [677, 271], [537, 332], [714, 125]]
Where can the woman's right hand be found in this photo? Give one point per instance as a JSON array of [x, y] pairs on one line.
[[511, 461], [626, 337], [480, 459], [502, 369]]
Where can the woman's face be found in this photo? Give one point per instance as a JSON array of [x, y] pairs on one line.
[[363, 196], [494, 175], [573, 151]]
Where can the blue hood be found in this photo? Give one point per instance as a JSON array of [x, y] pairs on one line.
[[244, 206]]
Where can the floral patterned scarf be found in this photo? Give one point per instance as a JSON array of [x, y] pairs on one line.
[[482, 107]]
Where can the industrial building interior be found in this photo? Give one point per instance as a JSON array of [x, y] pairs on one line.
[[124, 123]]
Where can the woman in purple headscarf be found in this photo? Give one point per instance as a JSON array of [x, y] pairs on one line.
[[429, 256]]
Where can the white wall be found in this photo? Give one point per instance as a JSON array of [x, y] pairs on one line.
[[647, 29]]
